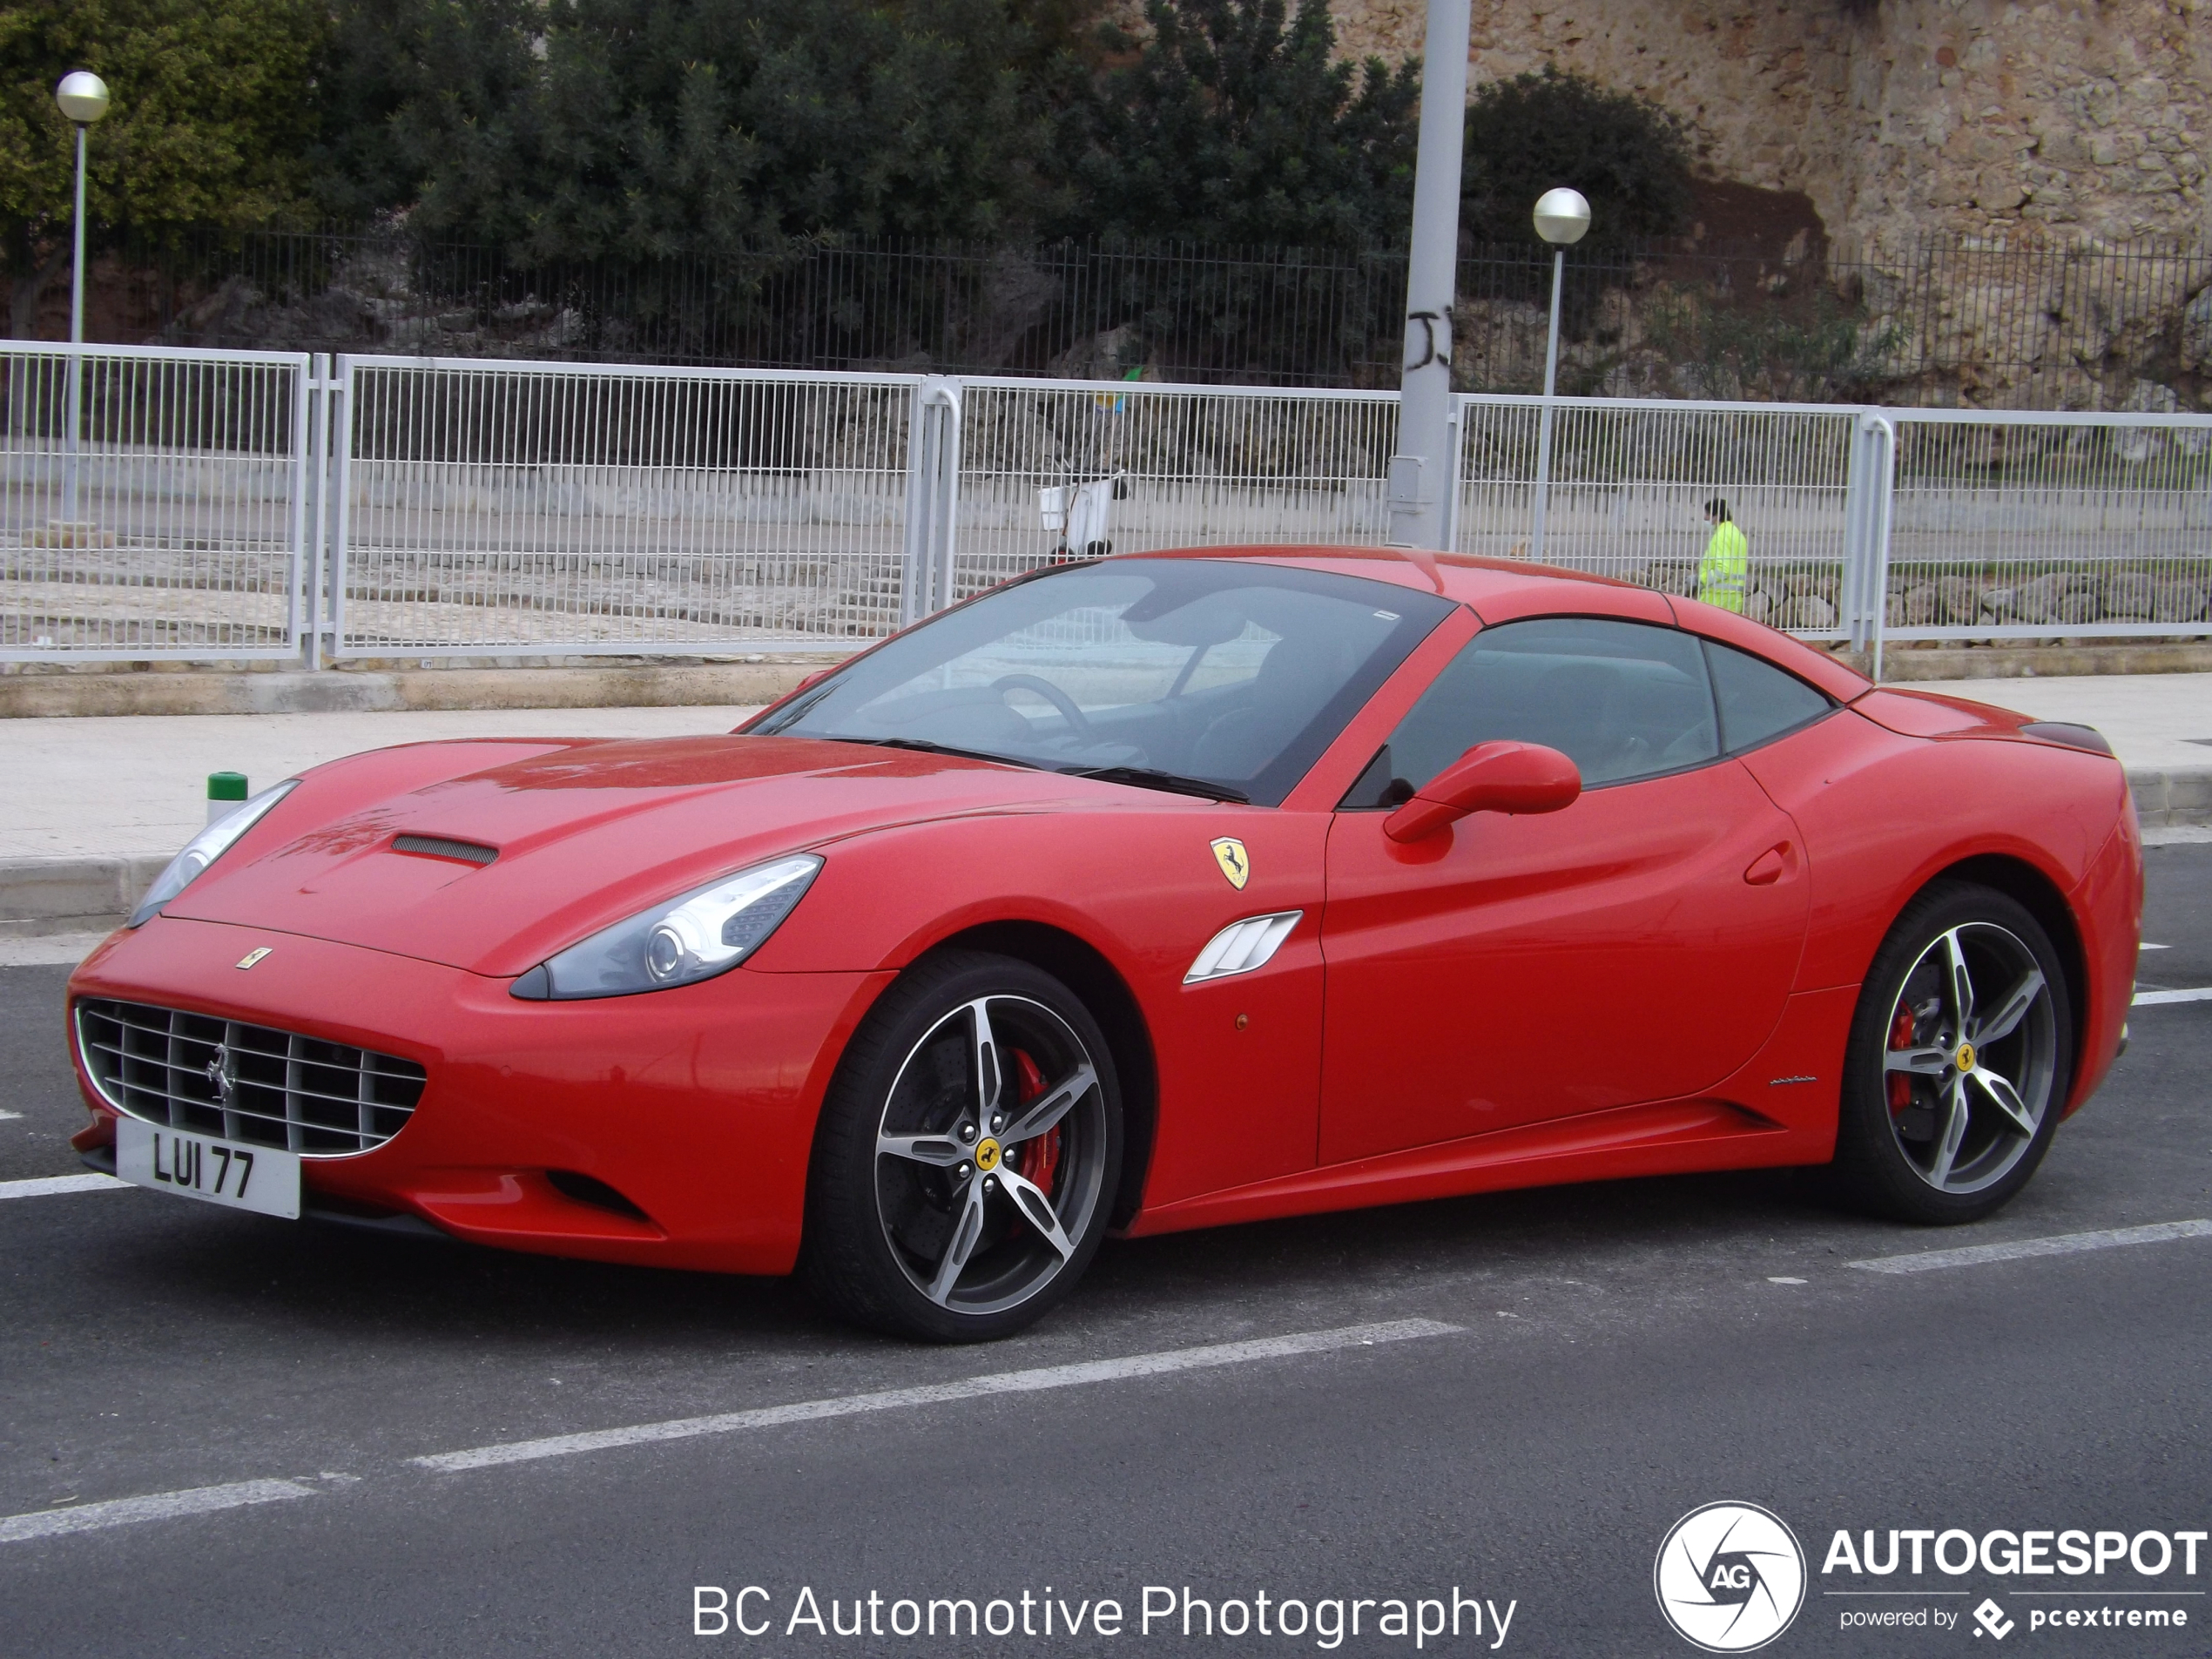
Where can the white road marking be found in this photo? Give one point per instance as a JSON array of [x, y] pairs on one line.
[[9, 1117], [1003, 1382], [2061, 1244], [2146, 945], [1783, 1279], [2200, 993], [160, 1506], [46, 1185]]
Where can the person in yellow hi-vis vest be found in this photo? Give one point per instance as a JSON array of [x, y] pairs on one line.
[[1724, 572]]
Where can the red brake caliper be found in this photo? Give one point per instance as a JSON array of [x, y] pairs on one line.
[[1040, 1157], [1900, 1083]]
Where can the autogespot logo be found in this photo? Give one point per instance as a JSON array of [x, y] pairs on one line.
[[1729, 1577]]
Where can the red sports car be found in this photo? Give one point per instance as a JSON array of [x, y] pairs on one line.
[[1151, 893]]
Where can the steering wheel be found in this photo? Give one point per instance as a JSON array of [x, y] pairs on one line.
[[1051, 693]]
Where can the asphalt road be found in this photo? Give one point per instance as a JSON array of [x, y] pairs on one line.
[[1616, 1356]]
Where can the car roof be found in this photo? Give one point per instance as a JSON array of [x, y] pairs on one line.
[[1503, 590]]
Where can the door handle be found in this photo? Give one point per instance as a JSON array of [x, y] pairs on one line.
[[1769, 866]]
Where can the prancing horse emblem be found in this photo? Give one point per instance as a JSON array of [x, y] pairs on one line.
[[1229, 853], [254, 956], [218, 1075]]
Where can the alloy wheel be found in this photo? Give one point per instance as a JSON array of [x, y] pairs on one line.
[[1969, 1059], [990, 1154]]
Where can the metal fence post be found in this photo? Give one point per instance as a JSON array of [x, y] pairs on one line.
[[933, 492], [308, 541], [1857, 488], [331, 607], [1882, 438], [1449, 506], [946, 529]]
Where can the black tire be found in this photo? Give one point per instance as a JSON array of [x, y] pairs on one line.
[[883, 1226], [1943, 1119]]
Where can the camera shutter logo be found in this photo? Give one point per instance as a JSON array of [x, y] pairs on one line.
[[1729, 1577]]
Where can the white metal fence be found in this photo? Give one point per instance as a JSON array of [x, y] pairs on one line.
[[221, 505], [153, 503]]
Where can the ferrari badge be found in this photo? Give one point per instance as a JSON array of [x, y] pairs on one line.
[[254, 956], [1229, 853]]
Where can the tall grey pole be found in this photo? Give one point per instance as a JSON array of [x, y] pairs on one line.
[[73, 413], [1420, 470], [1544, 422], [77, 266]]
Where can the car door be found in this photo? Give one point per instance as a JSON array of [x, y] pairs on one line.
[[1637, 945]]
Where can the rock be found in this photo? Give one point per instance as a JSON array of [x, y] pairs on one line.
[[1758, 606], [2196, 332], [1798, 584], [1998, 602], [2037, 599], [2127, 593], [1957, 598], [2078, 607], [2173, 599], [1914, 608], [1809, 611]]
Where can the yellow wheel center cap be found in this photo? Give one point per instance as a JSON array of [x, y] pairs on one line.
[[987, 1155], [1965, 1058]]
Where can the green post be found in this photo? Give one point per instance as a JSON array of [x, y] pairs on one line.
[[226, 794]]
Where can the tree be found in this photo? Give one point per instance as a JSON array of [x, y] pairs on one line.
[[657, 127], [1629, 156], [401, 83], [1234, 123], [213, 108]]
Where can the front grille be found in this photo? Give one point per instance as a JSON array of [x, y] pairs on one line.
[[245, 1083]]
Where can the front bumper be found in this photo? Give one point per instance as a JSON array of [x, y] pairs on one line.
[[696, 1106]]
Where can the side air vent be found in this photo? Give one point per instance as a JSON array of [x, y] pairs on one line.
[[437, 846]]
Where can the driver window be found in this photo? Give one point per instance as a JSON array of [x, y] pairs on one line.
[[1623, 700]]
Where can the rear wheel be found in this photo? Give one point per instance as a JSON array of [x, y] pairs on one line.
[[1959, 1056], [963, 1172]]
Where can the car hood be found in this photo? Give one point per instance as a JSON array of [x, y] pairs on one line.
[[543, 849]]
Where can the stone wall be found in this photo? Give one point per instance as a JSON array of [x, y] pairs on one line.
[[1899, 119]]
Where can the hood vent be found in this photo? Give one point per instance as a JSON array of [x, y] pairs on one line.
[[437, 846]]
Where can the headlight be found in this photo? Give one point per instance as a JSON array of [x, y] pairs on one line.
[[680, 940], [203, 849]]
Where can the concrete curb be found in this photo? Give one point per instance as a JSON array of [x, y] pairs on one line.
[[353, 691], [2171, 799], [2000, 661], [72, 894], [91, 895], [168, 689]]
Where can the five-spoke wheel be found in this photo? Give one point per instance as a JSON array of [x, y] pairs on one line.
[[967, 1159], [1959, 1059]]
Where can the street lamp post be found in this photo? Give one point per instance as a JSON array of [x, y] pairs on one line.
[[1562, 219], [83, 97]]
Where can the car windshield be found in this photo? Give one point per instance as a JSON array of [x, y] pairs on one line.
[[1212, 676]]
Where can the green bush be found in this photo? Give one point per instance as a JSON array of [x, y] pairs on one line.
[[1231, 121], [1525, 136]]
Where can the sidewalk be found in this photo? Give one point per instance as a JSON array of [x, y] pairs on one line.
[[98, 804]]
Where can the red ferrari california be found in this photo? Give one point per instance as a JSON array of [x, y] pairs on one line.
[[1151, 893]]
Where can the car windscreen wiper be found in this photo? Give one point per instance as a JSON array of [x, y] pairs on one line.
[[923, 746], [1152, 778]]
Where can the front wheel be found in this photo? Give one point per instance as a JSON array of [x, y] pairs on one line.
[[1959, 1057], [965, 1165]]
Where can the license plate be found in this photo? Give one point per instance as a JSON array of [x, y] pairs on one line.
[[260, 1178]]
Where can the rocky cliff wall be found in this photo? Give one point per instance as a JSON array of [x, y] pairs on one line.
[[1900, 119]]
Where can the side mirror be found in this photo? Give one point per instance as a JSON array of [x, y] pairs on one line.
[[1490, 778]]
